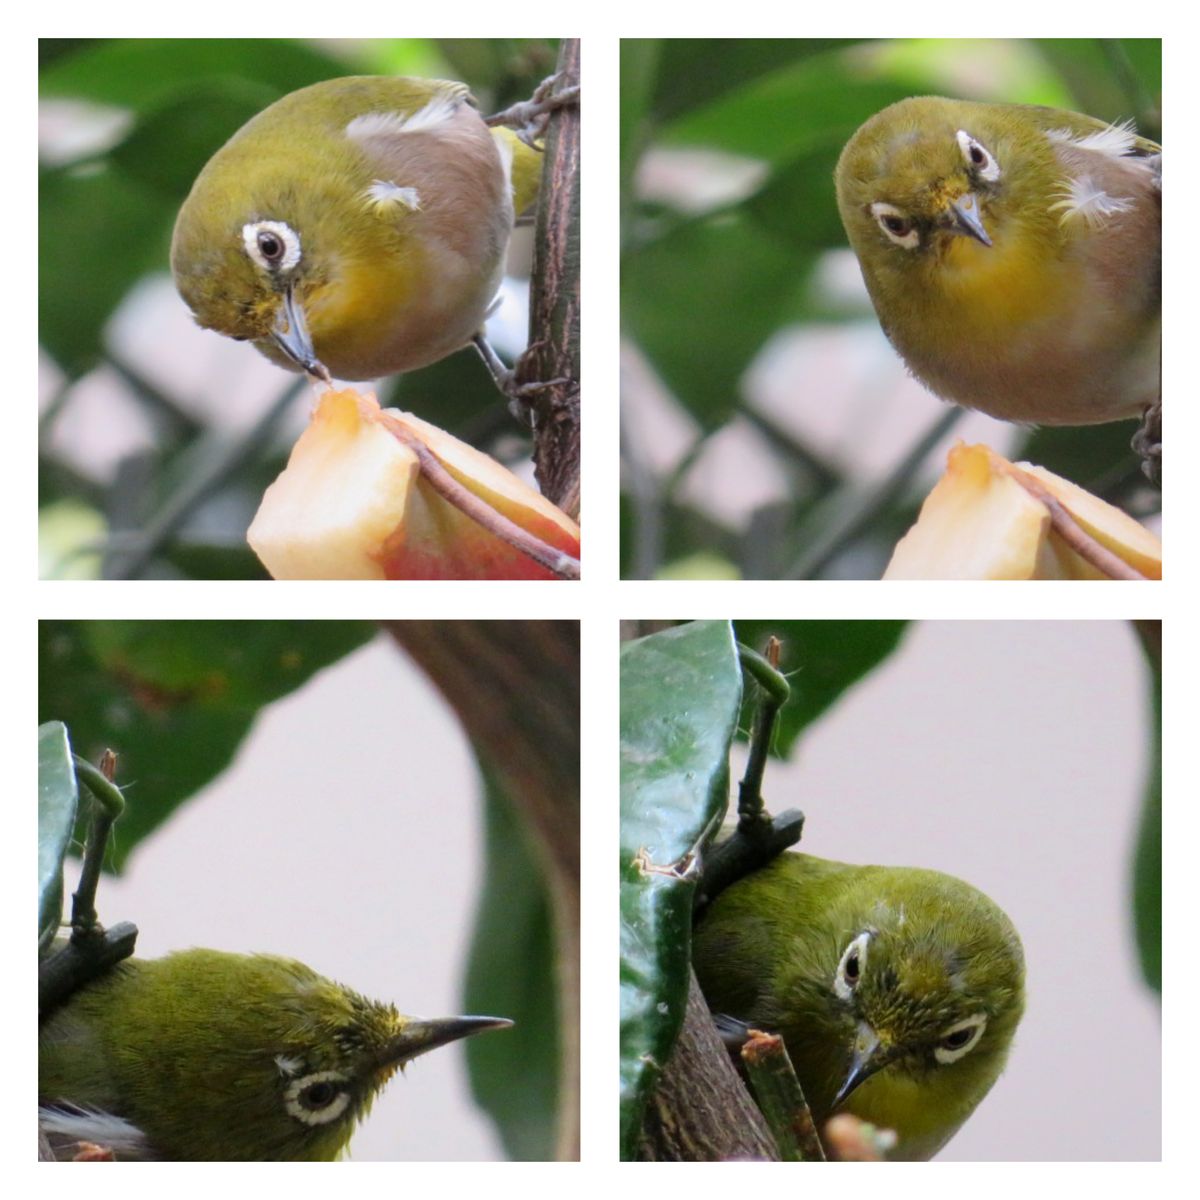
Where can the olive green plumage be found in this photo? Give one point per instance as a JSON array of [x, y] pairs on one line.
[[1012, 254], [359, 223], [898, 987], [204, 1055]]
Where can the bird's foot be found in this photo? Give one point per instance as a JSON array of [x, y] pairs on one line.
[[529, 118], [1147, 443], [520, 395]]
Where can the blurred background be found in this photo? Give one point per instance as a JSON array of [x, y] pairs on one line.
[[1018, 756], [158, 438], [304, 789], [768, 430]]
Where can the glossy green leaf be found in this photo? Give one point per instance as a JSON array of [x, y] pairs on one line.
[[680, 694], [58, 800], [174, 698], [822, 660], [510, 973]]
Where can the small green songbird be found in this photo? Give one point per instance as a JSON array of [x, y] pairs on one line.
[[1013, 255], [204, 1055], [896, 990], [357, 227]]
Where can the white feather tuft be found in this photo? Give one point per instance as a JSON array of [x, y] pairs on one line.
[[1115, 141], [93, 1125], [437, 112], [384, 194], [1082, 199]]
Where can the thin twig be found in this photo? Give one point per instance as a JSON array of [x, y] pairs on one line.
[[128, 559], [479, 511], [827, 548], [1070, 531], [781, 1098]]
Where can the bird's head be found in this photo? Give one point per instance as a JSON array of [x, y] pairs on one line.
[[276, 1061], [931, 183], [928, 989]]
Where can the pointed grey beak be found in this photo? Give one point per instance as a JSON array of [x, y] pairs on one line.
[[962, 217], [291, 336], [868, 1058], [420, 1036]]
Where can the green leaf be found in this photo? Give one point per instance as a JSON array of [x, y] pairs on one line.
[[510, 973], [1147, 860], [58, 800], [142, 73], [167, 147], [696, 72], [174, 699], [701, 302], [680, 694], [98, 233], [822, 659]]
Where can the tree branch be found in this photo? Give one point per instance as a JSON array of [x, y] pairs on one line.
[[553, 352]]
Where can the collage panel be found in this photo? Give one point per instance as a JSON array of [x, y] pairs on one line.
[[280, 863], [391, 229], [885, 888], [891, 308]]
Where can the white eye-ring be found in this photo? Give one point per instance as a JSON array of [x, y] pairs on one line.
[[852, 966], [899, 227], [317, 1099], [273, 246], [979, 157], [960, 1038]]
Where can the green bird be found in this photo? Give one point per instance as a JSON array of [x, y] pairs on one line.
[[1013, 255], [896, 990], [204, 1055], [356, 227]]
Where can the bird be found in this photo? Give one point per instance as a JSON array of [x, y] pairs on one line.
[[1012, 253], [206, 1055], [356, 227], [897, 990]]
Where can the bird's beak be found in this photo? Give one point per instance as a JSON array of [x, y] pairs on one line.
[[291, 335], [869, 1056], [962, 217], [419, 1036]]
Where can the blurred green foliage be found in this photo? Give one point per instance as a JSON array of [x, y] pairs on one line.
[[106, 211], [706, 283]]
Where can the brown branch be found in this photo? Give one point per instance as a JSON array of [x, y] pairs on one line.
[[515, 688], [701, 1110], [553, 352]]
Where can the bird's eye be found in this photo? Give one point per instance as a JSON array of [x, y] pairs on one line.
[[272, 245], [960, 1038], [850, 969], [317, 1099], [318, 1095], [978, 157], [899, 227]]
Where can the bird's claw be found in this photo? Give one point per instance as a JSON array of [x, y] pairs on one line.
[[1147, 443], [529, 118], [505, 378]]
